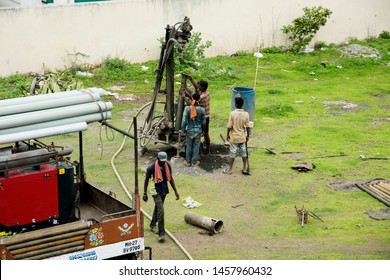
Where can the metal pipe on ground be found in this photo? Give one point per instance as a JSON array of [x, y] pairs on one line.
[[381, 192], [211, 224], [374, 194]]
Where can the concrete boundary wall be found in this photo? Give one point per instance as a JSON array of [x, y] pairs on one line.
[[55, 36]]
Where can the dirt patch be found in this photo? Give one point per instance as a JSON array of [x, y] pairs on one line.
[[215, 162], [346, 185], [383, 214], [339, 103]]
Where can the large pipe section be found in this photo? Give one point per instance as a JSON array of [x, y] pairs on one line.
[[97, 117], [28, 158], [49, 104], [54, 114], [25, 158], [51, 96], [211, 224], [51, 114], [44, 132]]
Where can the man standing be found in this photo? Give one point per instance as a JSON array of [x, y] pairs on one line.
[[204, 102], [194, 122], [238, 133], [161, 171]]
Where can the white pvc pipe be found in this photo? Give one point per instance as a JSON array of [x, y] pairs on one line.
[[97, 117], [51, 96], [44, 132], [49, 104], [53, 114]]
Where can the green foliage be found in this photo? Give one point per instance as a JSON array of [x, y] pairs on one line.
[[384, 35], [276, 110], [14, 86], [320, 45], [57, 82], [273, 50], [193, 61], [192, 55], [274, 91], [303, 29], [114, 69]]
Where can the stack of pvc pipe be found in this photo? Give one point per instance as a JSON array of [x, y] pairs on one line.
[[51, 114], [48, 242]]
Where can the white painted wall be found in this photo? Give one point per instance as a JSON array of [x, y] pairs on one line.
[[35, 38]]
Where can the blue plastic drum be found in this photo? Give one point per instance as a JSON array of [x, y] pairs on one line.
[[248, 94]]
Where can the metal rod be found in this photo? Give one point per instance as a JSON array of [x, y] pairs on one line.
[[48, 239], [36, 253], [47, 232], [58, 253], [373, 194], [46, 245], [117, 129], [136, 191], [381, 192]]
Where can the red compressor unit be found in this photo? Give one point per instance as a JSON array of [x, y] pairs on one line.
[[29, 196]]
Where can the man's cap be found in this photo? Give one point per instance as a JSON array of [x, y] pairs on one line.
[[162, 156]]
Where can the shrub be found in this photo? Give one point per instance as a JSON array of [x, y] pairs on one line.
[[274, 49], [320, 45], [384, 35], [303, 29]]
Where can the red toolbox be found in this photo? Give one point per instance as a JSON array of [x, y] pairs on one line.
[[29, 196]]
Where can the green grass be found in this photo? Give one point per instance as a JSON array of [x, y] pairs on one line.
[[290, 115]]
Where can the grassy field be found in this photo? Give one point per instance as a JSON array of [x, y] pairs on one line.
[[319, 105]]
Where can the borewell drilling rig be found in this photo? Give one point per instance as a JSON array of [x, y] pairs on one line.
[[165, 128]]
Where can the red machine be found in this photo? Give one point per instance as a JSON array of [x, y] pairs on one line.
[[29, 196], [49, 211]]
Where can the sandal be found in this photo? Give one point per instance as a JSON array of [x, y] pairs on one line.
[[226, 171], [245, 172]]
